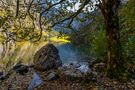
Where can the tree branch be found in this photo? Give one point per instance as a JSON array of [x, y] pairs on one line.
[[28, 10], [73, 15], [40, 16], [17, 8]]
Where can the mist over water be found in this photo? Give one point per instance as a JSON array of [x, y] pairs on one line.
[[70, 54]]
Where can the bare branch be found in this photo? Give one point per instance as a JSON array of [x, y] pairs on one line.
[[17, 8], [28, 10], [40, 16], [73, 15]]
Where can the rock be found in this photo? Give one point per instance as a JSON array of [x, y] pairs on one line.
[[35, 82], [99, 66], [70, 66], [52, 76], [77, 65], [47, 58], [71, 76], [73, 73], [70, 72], [84, 69], [1, 75], [21, 69]]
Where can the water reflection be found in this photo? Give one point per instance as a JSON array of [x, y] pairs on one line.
[[25, 51]]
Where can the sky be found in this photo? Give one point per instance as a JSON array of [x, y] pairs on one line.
[[76, 7]]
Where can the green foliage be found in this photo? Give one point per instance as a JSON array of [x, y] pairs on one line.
[[82, 38], [128, 14], [129, 48], [127, 20], [92, 38], [99, 44]]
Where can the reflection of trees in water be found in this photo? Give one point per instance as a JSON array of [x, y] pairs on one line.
[[6, 47], [19, 52], [7, 50], [24, 52]]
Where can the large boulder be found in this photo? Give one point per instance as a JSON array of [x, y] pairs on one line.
[[47, 58]]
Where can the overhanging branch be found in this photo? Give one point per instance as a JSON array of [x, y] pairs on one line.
[[40, 16], [73, 15]]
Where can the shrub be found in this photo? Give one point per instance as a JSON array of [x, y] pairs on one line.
[[129, 49], [99, 44]]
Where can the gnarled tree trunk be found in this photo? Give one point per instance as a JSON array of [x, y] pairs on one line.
[[115, 62]]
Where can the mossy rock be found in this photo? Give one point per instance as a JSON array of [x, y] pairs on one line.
[[47, 58]]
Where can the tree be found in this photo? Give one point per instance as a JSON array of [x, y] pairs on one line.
[[115, 63]]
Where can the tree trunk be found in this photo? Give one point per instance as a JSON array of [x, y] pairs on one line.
[[17, 8], [114, 61]]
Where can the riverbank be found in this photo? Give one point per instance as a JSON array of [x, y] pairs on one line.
[[95, 81]]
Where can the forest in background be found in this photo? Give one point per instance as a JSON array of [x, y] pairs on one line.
[[92, 38]]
